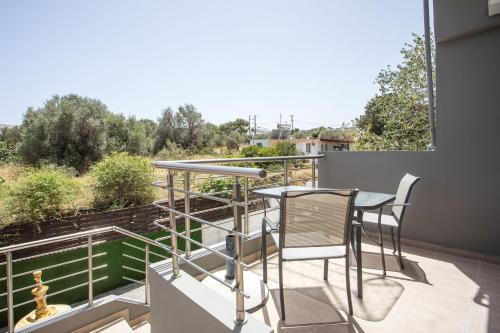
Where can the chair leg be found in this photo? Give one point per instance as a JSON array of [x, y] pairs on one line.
[[381, 240], [282, 296], [399, 250], [264, 257], [348, 284], [325, 270], [393, 241]]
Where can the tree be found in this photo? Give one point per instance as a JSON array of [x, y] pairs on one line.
[[125, 135], [397, 117], [67, 130], [190, 125], [184, 127], [239, 125]]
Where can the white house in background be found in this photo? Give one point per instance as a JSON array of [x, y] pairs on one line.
[[316, 146], [308, 146]]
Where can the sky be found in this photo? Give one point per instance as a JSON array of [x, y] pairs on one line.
[[314, 59]]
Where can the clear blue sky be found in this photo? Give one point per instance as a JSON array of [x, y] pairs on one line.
[[316, 59]]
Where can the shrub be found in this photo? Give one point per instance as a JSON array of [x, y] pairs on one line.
[[225, 185], [39, 194], [122, 180], [172, 151], [7, 153], [213, 184]]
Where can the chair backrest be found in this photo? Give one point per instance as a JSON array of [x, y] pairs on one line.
[[403, 195], [316, 218]]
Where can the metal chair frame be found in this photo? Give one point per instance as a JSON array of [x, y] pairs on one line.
[[280, 228], [396, 245]]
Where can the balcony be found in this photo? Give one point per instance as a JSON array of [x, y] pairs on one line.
[[441, 289]]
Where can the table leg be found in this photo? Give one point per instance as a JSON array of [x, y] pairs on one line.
[[359, 259]]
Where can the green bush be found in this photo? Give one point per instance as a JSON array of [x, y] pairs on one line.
[[122, 180], [213, 184], [39, 194], [7, 153], [172, 151]]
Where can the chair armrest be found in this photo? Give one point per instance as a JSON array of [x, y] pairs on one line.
[[402, 204], [266, 222]]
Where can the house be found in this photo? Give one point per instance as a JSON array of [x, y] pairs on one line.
[[308, 146], [315, 146]]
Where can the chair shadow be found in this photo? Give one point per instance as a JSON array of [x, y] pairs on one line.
[[412, 271], [310, 310]]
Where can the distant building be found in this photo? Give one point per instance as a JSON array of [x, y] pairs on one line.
[[308, 146]]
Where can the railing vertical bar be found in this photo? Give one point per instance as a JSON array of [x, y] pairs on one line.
[[246, 229], [146, 274], [171, 203], [10, 292], [313, 173], [187, 210], [91, 278], [240, 300]]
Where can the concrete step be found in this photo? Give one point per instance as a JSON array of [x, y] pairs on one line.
[[119, 325]]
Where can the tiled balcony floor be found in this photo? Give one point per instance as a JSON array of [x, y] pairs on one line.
[[436, 292]]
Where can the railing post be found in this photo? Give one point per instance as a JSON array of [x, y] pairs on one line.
[[187, 210], [240, 301], [90, 268], [285, 171], [313, 172], [146, 275], [10, 291], [171, 203], [246, 229]]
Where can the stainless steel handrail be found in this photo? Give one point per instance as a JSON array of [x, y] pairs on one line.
[[8, 250], [238, 203], [253, 159], [212, 169]]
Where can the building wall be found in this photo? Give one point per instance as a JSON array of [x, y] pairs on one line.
[[455, 203]]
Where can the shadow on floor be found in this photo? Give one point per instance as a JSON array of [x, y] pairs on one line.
[[412, 271], [310, 310]]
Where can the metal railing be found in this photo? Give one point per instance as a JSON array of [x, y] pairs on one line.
[[9, 250], [238, 202], [240, 205]]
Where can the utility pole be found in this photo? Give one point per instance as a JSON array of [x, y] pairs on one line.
[[291, 120], [249, 125], [254, 126]]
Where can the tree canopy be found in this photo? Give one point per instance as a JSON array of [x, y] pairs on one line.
[[397, 117], [67, 130]]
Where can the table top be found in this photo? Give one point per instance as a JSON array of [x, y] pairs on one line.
[[364, 200]]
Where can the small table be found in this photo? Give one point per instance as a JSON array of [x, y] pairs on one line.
[[364, 201]]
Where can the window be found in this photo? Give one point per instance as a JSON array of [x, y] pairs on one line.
[[308, 147]]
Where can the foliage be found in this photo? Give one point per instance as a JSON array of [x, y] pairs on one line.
[[67, 130], [239, 126], [7, 153], [285, 148], [183, 127], [213, 184], [345, 132], [39, 194], [397, 117], [122, 180], [11, 135], [172, 151], [125, 135]]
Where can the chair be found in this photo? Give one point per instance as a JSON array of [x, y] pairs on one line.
[[395, 219], [313, 225]]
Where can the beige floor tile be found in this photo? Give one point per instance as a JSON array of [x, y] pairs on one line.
[[413, 321]]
